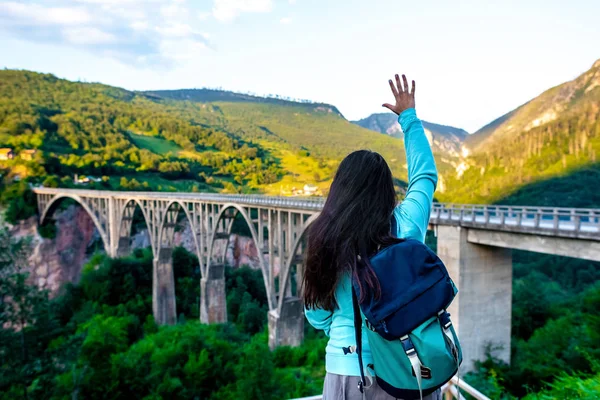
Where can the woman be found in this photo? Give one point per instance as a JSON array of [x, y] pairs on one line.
[[357, 218]]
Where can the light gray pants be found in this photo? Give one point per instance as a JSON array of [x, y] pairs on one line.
[[343, 387]]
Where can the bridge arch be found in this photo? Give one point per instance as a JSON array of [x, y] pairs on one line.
[[164, 291], [56, 200], [285, 272], [253, 233], [124, 226], [171, 213]]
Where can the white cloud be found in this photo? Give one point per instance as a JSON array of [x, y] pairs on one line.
[[139, 25], [110, 2], [292, 1], [172, 10], [157, 32], [181, 50], [87, 36], [228, 10], [285, 21], [202, 16], [34, 14]]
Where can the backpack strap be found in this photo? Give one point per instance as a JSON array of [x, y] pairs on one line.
[[358, 335], [394, 224], [415, 361], [358, 319]]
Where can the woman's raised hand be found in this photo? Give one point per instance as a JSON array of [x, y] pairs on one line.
[[405, 98]]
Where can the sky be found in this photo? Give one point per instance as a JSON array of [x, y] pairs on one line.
[[472, 60]]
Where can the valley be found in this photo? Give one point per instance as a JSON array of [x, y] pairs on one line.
[[93, 321]]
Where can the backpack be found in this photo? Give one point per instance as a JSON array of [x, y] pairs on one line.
[[413, 343]]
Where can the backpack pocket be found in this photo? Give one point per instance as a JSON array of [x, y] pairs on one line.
[[394, 371]]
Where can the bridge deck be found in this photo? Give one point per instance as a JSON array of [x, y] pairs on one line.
[[558, 222]]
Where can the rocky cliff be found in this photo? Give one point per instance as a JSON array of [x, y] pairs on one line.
[[59, 260]]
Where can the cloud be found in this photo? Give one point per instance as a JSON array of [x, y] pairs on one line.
[[153, 32], [292, 1], [35, 14], [285, 21], [202, 16], [228, 10], [83, 36]]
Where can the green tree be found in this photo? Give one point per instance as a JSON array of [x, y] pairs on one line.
[[21, 308]]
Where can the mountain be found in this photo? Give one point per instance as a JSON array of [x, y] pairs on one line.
[[566, 99], [175, 140], [552, 135], [221, 141], [214, 95], [446, 139]]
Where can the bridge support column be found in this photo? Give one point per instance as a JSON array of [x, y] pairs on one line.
[[287, 328], [124, 247], [163, 288], [213, 303], [481, 313]]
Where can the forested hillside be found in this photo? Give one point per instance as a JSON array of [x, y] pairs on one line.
[[555, 320], [551, 136], [215, 95], [209, 140], [204, 140], [98, 340], [99, 130]]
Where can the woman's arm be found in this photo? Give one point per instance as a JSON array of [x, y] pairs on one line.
[[413, 213], [319, 319]]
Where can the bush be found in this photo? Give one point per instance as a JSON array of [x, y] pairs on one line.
[[51, 181], [570, 387], [20, 200], [47, 231]]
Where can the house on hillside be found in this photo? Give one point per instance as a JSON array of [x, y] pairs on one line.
[[310, 190], [28, 155], [6, 154], [84, 180]]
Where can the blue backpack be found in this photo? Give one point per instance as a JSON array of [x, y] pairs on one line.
[[413, 343]]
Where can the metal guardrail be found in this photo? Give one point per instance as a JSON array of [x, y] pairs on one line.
[[564, 222], [451, 390], [303, 203], [552, 221]]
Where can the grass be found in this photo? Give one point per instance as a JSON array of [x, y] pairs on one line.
[[154, 144], [300, 170]]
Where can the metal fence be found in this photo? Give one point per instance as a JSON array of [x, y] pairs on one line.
[[567, 222], [452, 390]]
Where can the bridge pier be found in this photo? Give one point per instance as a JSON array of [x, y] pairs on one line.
[[163, 288], [124, 247], [287, 328], [213, 303], [481, 313]]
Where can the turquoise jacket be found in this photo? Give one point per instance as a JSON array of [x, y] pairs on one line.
[[412, 216]]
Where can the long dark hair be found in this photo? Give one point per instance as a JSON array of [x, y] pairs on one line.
[[355, 221]]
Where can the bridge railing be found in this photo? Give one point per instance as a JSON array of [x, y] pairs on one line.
[[555, 221], [303, 203], [452, 390], [578, 222]]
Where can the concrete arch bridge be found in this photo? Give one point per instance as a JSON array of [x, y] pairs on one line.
[[474, 242]]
